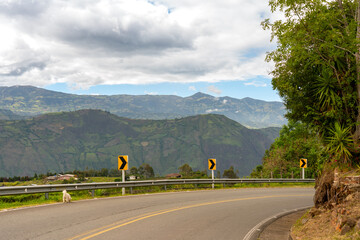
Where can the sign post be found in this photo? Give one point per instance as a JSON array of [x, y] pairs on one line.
[[123, 161], [303, 165], [212, 167], [123, 180]]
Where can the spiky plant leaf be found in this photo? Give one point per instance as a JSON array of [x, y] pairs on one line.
[[339, 142]]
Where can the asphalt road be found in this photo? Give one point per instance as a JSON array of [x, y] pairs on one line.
[[219, 214]]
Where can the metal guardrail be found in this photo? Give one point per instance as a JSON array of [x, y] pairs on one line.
[[5, 191]]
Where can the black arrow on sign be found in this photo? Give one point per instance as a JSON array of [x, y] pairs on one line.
[[303, 163], [123, 163], [212, 164]]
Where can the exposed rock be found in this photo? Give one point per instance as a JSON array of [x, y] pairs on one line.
[[337, 208]]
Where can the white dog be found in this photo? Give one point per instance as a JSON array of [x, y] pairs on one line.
[[66, 197]]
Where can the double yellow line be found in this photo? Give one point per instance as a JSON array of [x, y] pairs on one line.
[[107, 228]]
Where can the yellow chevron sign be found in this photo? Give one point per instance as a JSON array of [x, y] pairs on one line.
[[303, 162], [212, 164], [123, 161]]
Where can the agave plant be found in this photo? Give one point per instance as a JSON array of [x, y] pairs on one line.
[[325, 89], [339, 142]]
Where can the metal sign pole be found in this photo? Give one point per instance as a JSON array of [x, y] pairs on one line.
[[212, 176], [303, 173], [123, 180]]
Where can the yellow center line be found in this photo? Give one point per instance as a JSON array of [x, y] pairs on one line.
[[128, 221], [107, 226]]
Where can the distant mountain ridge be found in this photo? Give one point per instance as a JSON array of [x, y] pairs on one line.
[[31, 101], [67, 141]]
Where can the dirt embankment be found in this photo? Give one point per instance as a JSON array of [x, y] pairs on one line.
[[336, 214]]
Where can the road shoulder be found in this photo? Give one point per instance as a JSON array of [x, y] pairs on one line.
[[280, 228]]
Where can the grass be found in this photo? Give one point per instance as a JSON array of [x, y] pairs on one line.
[[16, 201]]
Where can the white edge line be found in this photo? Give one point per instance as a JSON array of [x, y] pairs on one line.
[[260, 226]]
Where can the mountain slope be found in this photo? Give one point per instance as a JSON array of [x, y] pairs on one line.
[[31, 101], [9, 115], [67, 141]]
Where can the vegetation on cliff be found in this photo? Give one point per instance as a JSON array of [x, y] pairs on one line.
[[317, 74], [282, 159], [317, 69]]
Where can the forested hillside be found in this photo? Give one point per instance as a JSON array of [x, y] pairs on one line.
[[93, 139]]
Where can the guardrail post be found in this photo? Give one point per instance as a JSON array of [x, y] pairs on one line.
[[131, 190], [165, 187], [93, 193], [47, 196]]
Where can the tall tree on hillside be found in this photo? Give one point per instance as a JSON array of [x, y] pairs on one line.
[[134, 171], [186, 170], [230, 173], [317, 68], [146, 171]]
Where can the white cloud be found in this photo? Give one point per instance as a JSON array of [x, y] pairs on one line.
[[212, 110], [151, 93], [85, 43], [256, 84], [192, 88], [214, 89]]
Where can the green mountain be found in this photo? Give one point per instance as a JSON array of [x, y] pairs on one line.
[[9, 115], [31, 101], [66, 141]]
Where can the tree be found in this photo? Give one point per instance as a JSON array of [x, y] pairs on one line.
[[257, 172], [317, 68], [134, 171], [104, 172], [114, 172], [186, 170], [230, 173], [296, 141], [146, 171]]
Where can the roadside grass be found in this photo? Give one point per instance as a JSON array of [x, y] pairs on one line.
[[24, 200]]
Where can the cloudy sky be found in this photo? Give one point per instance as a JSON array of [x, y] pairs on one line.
[[137, 47]]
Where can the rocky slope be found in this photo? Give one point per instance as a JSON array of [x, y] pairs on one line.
[[336, 214]]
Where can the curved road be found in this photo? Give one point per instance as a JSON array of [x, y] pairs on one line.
[[219, 214]]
